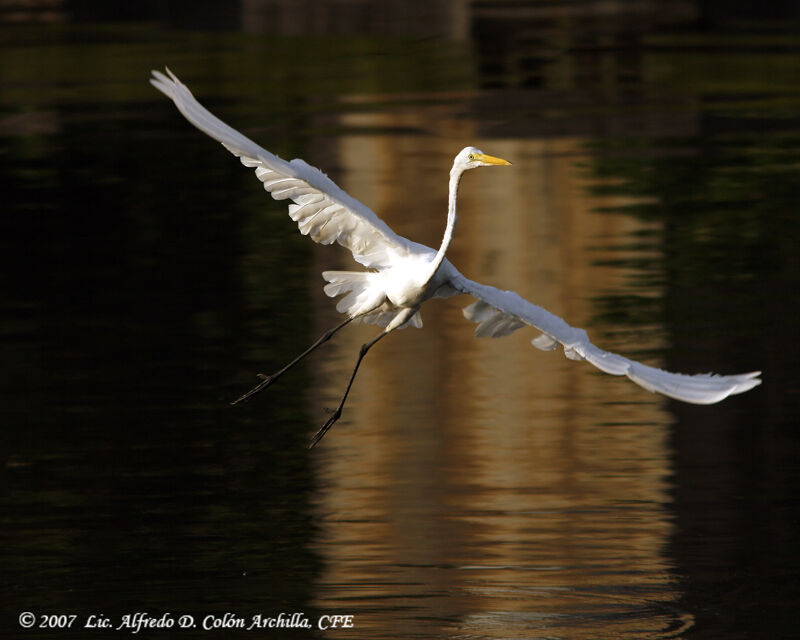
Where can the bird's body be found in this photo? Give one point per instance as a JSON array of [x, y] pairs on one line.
[[401, 274]]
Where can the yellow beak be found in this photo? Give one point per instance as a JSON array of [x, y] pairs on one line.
[[491, 159]]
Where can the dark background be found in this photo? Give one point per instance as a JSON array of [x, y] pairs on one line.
[[134, 303]]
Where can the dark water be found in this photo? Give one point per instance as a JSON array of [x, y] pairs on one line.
[[473, 489]]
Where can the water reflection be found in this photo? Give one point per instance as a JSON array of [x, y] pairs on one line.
[[481, 486]]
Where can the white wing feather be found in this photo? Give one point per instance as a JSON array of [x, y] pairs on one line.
[[322, 210], [498, 313]]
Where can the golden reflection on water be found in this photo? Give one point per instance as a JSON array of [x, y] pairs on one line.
[[483, 488]]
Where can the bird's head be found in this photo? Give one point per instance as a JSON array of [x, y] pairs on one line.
[[472, 158]]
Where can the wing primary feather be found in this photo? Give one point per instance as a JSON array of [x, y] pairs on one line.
[[494, 307], [343, 219]]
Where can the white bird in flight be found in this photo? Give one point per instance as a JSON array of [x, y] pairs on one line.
[[403, 274]]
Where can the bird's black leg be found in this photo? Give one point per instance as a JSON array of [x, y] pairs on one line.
[[338, 412], [268, 380]]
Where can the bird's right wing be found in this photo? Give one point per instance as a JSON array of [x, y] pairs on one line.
[[499, 313], [322, 210]]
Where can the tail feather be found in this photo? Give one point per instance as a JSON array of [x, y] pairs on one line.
[[363, 298]]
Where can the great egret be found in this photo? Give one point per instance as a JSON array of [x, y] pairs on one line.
[[403, 274]]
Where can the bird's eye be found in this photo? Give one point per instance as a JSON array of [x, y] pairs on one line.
[[471, 156]]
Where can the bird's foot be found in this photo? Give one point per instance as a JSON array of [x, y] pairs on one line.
[[319, 435], [265, 382]]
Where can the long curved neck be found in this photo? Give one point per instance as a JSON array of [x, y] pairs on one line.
[[455, 178]]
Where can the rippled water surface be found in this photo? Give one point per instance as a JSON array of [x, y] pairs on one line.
[[473, 488]]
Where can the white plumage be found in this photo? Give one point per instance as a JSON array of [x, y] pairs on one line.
[[403, 274]]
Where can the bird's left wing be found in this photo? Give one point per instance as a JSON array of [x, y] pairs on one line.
[[499, 313], [322, 210]]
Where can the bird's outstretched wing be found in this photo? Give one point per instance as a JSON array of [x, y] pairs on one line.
[[321, 209], [498, 313]]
